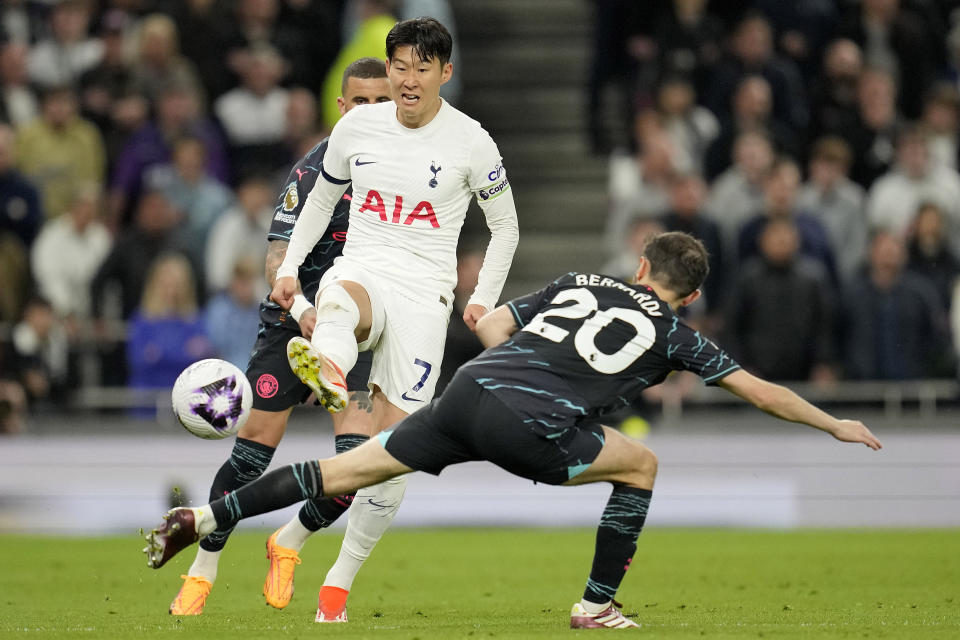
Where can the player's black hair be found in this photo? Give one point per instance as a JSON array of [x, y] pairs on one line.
[[427, 36], [678, 261], [363, 68]]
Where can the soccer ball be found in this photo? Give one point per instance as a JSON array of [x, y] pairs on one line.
[[212, 399]]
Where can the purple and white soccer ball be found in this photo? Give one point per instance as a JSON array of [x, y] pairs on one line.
[[212, 399]]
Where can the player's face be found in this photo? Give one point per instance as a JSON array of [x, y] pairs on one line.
[[363, 91], [415, 86]]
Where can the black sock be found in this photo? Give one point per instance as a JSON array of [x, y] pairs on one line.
[[279, 488], [620, 525], [246, 463], [323, 512]]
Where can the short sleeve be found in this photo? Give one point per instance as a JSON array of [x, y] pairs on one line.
[[298, 185], [526, 307], [488, 177], [690, 350]]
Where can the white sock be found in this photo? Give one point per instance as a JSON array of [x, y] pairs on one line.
[[205, 522], [205, 565], [293, 535], [593, 608], [370, 514], [337, 318]]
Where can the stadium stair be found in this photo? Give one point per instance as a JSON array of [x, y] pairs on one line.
[[525, 66]]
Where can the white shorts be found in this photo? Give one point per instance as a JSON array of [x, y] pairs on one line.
[[407, 335]]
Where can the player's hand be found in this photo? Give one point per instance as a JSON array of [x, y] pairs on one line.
[[472, 313], [307, 322], [855, 431], [284, 289]]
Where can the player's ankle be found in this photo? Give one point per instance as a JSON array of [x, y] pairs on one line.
[[593, 608]]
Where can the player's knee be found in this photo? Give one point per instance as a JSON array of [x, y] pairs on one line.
[[265, 427], [334, 299], [645, 464]]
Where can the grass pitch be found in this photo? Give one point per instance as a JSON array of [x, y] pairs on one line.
[[505, 583]]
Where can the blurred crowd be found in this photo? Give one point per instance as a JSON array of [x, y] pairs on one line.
[[813, 147], [142, 147]]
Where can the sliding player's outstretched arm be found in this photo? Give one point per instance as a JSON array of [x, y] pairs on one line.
[[783, 403], [496, 327]]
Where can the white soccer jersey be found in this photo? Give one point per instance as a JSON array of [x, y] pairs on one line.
[[411, 190]]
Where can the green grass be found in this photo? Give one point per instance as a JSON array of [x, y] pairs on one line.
[[505, 583]]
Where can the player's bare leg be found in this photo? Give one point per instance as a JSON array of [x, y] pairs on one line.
[[351, 427], [251, 455], [632, 468], [370, 515]]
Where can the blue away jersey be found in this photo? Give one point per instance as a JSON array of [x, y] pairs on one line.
[[299, 183], [588, 345]]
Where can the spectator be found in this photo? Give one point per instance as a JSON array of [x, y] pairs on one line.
[[780, 203], [129, 113], [13, 405], [110, 79], [22, 21], [192, 191], [929, 252], [18, 99], [20, 212], [687, 197], [894, 198], [941, 119], [204, 37], [737, 193], [240, 232], [62, 58], [178, 115], [376, 20], [166, 332], [155, 231], [802, 29], [837, 203], [752, 53], [689, 40], [779, 317], [833, 95], [301, 132], [611, 67], [895, 40], [752, 111], [872, 136], [303, 33], [895, 326], [233, 315], [68, 254], [311, 29], [692, 128], [623, 263], [40, 352], [14, 277], [254, 114], [158, 62], [639, 185], [60, 151]]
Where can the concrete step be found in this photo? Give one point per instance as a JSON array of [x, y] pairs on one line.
[[542, 257], [508, 19]]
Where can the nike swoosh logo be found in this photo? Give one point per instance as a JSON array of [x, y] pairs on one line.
[[360, 164], [404, 396]]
